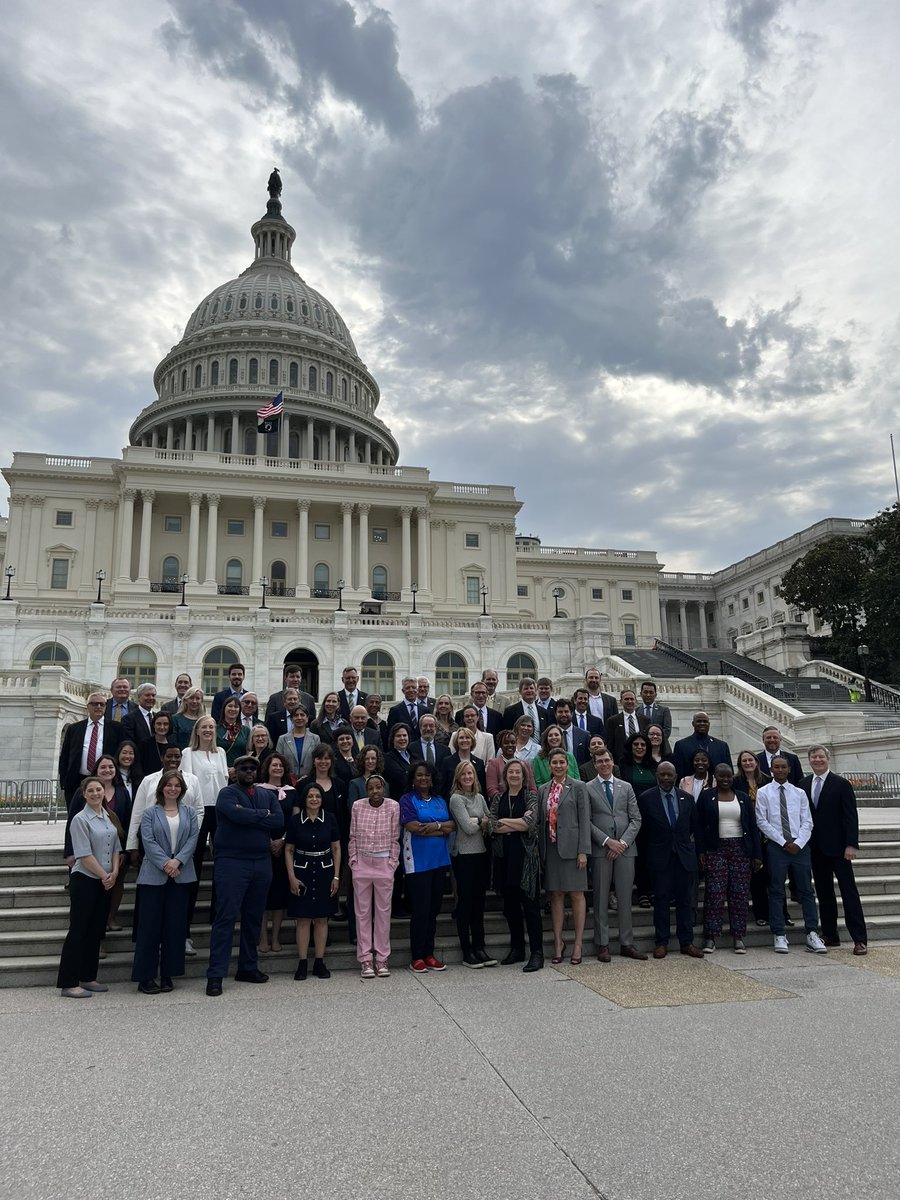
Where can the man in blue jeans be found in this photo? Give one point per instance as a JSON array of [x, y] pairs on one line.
[[783, 815]]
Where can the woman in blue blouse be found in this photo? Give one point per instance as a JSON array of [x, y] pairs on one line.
[[426, 824]]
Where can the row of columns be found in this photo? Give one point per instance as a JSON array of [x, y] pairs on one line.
[[682, 637]]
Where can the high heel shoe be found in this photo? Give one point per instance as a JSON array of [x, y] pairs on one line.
[[557, 958], [576, 962]]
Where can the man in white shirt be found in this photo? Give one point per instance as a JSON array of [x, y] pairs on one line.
[[783, 815], [602, 704]]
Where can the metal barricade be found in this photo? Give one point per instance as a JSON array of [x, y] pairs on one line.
[[29, 797]]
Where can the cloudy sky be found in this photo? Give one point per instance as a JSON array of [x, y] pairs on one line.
[[636, 257]]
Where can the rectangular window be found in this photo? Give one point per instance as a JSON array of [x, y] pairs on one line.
[[596, 593], [279, 529], [473, 589], [322, 533], [59, 573], [627, 594], [172, 524], [760, 597], [64, 517], [521, 589], [234, 527], [630, 639], [745, 602], [379, 536], [473, 541], [731, 610]]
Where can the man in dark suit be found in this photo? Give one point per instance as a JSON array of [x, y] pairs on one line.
[[574, 740], [490, 720], [423, 687], [545, 697], [281, 719], [408, 709], [582, 715], [349, 694], [250, 710], [602, 704], [182, 683], [236, 673], [833, 847], [623, 725], [119, 705], [136, 725], [527, 703], [686, 747], [373, 711], [772, 746], [292, 678], [363, 733], [655, 713], [426, 747], [666, 840], [84, 742]]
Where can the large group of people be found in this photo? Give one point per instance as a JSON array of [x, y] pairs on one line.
[[312, 811]]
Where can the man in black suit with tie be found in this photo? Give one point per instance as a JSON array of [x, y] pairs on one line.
[[655, 713], [527, 703], [136, 725], [350, 695], [84, 742], [833, 847], [545, 697], [490, 720], [423, 687], [408, 709], [666, 840], [623, 725], [582, 715], [236, 673], [574, 740], [772, 742], [182, 683], [118, 706], [363, 733], [426, 747]]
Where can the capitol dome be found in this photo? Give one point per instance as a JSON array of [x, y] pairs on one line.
[[264, 332]]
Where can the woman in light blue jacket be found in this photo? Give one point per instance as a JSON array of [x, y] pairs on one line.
[[169, 837]]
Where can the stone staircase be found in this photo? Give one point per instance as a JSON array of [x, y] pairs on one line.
[[34, 917]]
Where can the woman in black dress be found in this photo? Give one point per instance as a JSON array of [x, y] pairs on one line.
[[517, 871], [274, 775], [153, 749], [313, 860], [397, 760]]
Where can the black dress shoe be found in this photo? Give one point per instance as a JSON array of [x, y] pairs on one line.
[[302, 969], [251, 977], [516, 955], [320, 970], [214, 987], [535, 963], [166, 984], [149, 987]]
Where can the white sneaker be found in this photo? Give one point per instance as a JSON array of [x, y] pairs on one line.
[[781, 944], [189, 951], [814, 944]]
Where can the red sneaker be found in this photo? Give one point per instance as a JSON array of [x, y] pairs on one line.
[[435, 964], [418, 967]]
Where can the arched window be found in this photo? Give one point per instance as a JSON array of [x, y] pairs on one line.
[[137, 664], [294, 445], [171, 574], [232, 370], [198, 375], [377, 674], [214, 374], [273, 371], [329, 383], [344, 389], [277, 578], [356, 394], [250, 440], [313, 379], [50, 654], [215, 668], [184, 380], [379, 583], [229, 302], [226, 440], [289, 305], [234, 577], [293, 375], [450, 674], [273, 443], [321, 581], [242, 305], [273, 302], [518, 667], [253, 371], [258, 301]]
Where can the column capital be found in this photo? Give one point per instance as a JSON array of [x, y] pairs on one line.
[[347, 507], [259, 501], [92, 502], [303, 506], [213, 498], [148, 495], [195, 497], [110, 504], [494, 526], [422, 512], [37, 501], [406, 511], [363, 509]]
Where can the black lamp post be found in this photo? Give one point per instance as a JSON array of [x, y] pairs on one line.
[[99, 576], [556, 593], [10, 572], [340, 591], [863, 654], [184, 583], [414, 587], [484, 593], [263, 583]]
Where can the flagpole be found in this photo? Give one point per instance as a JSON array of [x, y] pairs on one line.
[[896, 482]]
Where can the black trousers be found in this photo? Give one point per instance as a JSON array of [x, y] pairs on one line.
[[523, 912], [825, 868], [88, 910], [426, 893], [471, 871], [207, 833], [671, 882], [159, 935]]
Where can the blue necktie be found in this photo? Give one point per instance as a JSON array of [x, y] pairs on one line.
[[607, 787], [672, 808]]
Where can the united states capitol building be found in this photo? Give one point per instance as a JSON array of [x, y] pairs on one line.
[[207, 542]]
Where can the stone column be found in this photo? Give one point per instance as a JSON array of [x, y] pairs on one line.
[[235, 433], [664, 620], [405, 552], [194, 536], [682, 612], [259, 508], [351, 447], [16, 532], [210, 433], [89, 562], [368, 451], [701, 613], [347, 543], [34, 540], [285, 436], [302, 585], [422, 530], [188, 434], [453, 576], [363, 582], [212, 532], [495, 580], [332, 442], [310, 439], [126, 533], [260, 444], [170, 436], [154, 438], [147, 498]]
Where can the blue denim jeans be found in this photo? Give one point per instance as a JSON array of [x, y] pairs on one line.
[[779, 861]]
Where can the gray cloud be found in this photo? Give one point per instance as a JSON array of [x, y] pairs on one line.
[[749, 22], [693, 151]]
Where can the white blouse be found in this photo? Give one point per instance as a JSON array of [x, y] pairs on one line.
[[210, 769]]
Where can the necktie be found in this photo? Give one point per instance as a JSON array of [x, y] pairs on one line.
[[412, 714], [672, 809], [484, 720], [429, 753], [117, 712], [92, 746], [629, 721], [359, 741], [785, 819], [581, 724], [817, 791], [533, 713], [607, 787], [648, 711]]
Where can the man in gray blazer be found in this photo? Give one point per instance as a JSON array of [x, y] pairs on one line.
[[615, 821]]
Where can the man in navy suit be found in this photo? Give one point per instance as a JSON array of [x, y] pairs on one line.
[[772, 743], [623, 725], [656, 714], [666, 839], [491, 720], [833, 847], [408, 709], [685, 748], [350, 695], [576, 742], [527, 704], [136, 725], [545, 696], [236, 673], [582, 715], [119, 704], [426, 747]]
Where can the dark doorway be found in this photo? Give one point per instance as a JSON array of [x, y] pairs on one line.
[[310, 666]]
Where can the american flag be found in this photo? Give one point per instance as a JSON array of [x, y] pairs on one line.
[[272, 409]]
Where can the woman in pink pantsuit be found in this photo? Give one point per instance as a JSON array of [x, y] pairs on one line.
[[373, 854]]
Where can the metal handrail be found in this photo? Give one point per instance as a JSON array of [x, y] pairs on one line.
[[696, 664]]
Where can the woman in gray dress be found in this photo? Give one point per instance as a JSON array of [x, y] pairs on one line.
[[564, 824]]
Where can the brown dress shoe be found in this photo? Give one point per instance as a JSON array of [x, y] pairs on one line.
[[603, 954], [860, 948], [660, 951], [632, 952], [692, 951]]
